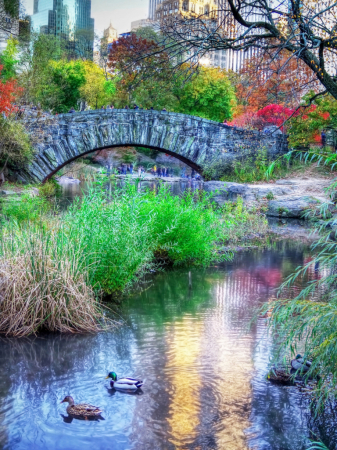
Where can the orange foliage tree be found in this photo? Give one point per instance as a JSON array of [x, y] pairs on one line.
[[272, 79], [9, 92]]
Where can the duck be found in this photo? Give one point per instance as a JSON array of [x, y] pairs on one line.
[[280, 375], [126, 383], [82, 409], [299, 364]]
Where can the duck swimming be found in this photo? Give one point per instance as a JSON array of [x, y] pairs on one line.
[[299, 364], [124, 383], [82, 409]]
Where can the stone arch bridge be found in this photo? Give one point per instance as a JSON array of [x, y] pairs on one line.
[[204, 145]]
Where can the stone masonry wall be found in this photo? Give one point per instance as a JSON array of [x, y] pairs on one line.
[[200, 143]]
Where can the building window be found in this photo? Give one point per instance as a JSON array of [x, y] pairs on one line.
[[201, 10], [185, 6]]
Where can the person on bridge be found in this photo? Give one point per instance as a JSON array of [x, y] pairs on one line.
[[131, 168], [135, 106], [139, 171], [323, 138], [72, 110]]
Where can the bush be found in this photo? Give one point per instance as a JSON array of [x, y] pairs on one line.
[[49, 189]]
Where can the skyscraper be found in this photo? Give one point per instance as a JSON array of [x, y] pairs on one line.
[[64, 18], [152, 8]]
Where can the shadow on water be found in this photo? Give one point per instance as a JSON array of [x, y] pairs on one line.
[[187, 334]]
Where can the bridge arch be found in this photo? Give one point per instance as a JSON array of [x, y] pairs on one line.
[[191, 164], [198, 142]]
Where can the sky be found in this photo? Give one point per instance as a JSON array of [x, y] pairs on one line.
[[120, 12]]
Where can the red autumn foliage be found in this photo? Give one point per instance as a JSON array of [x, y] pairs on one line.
[[129, 55], [269, 115], [8, 94], [272, 79], [275, 114]]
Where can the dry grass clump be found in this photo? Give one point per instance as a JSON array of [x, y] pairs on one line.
[[44, 287]]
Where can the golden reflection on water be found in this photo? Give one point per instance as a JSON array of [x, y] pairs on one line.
[[233, 367], [183, 353]]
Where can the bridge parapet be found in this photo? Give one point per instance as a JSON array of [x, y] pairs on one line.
[[204, 145]]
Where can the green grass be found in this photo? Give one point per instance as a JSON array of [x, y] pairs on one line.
[[251, 169]]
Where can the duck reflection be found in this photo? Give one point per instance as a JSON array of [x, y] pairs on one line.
[[113, 392]]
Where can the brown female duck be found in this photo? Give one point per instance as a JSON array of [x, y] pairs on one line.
[[82, 409]]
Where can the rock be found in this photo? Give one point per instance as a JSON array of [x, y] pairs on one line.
[[293, 207], [225, 191], [4, 192], [68, 180], [33, 192], [289, 182], [260, 191]]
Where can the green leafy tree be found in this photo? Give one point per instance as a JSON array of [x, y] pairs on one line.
[[97, 91], [209, 94], [9, 60], [35, 75], [67, 77]]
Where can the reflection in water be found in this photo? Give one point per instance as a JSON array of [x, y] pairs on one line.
[[71, 191], [181, 369], [187, 335]]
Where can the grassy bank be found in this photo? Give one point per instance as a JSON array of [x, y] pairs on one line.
[[54, 268]]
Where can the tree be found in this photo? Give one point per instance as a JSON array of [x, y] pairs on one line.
[[127, 61], [270, 79], [148, 82], [67, 77], [15, 147], [35, 71], [96, 91], [8, 60], [306, 30], [9, 92], [209, 95], [306, 127]]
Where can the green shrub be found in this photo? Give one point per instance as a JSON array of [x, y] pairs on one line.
[[24, 208], [49, 189]]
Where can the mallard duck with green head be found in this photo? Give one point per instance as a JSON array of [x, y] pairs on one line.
[[127, 383], [299, 364], [82, 409]]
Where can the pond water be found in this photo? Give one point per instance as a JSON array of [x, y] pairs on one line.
[[186, 332]]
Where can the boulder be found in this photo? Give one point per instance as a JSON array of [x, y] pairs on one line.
[[5, 192], [293, 207], [288, 182], [225, 191], [68, 180]]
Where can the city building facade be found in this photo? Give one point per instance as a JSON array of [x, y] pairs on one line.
[[9, 26], [142, 23], [224, 59], [110, 34], [64, 18]]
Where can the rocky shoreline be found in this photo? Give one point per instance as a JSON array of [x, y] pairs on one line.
[[287, 198]]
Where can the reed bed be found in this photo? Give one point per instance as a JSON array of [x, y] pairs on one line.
[[55, 267], [44, 285]]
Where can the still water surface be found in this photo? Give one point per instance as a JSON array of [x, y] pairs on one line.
[[186, 333]]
